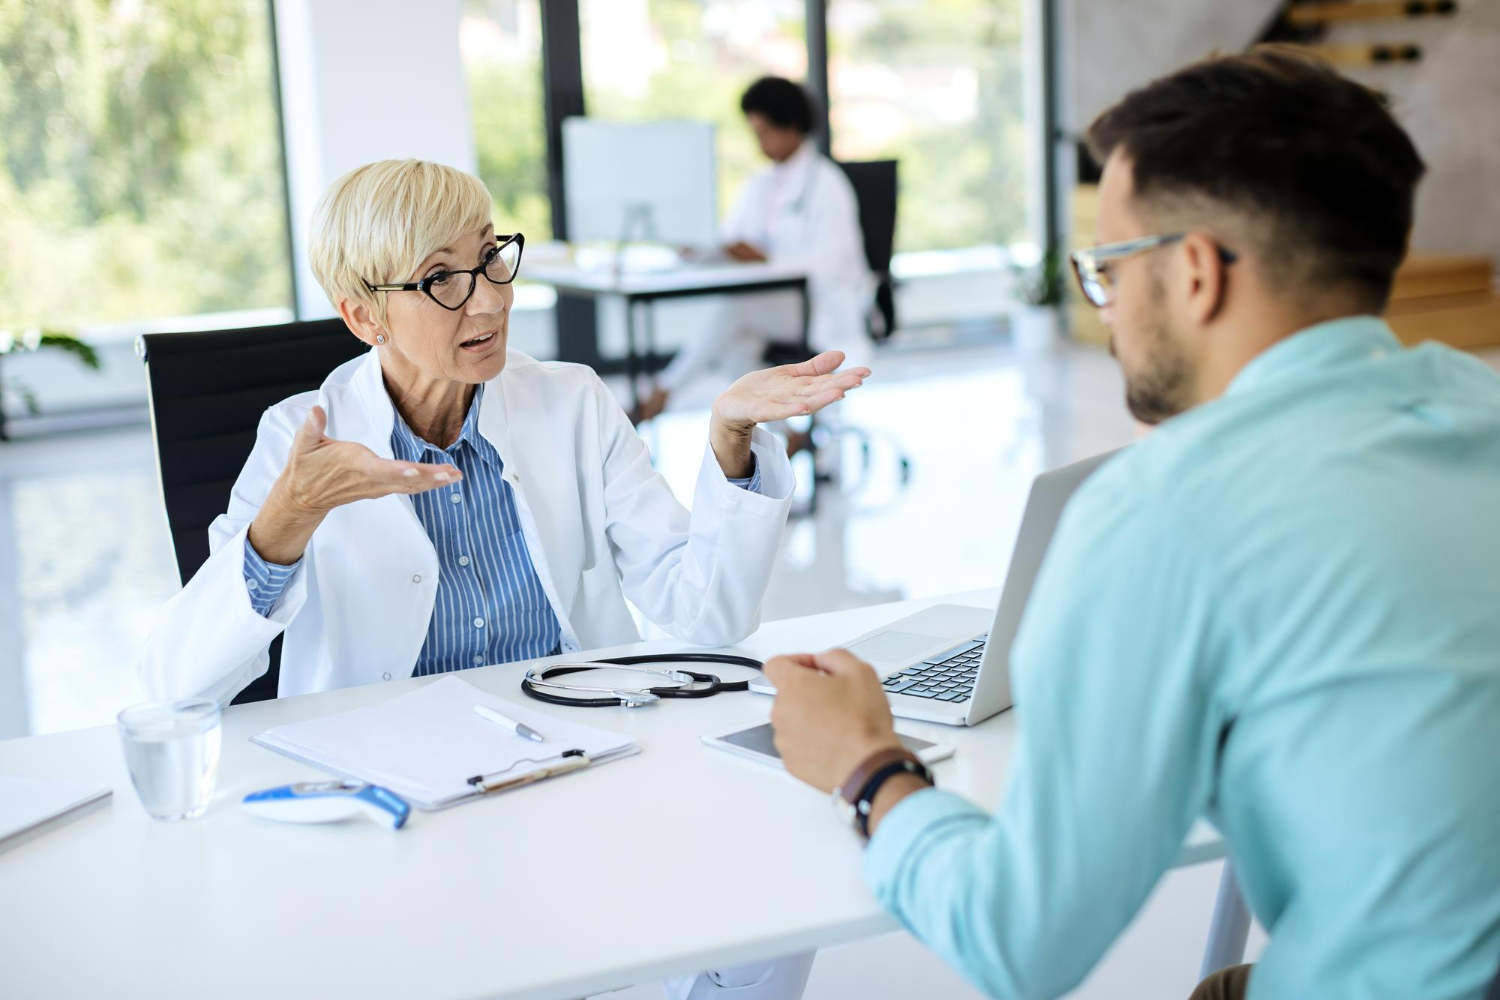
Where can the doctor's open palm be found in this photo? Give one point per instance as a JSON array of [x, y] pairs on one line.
[[323, 473], [773, 394]]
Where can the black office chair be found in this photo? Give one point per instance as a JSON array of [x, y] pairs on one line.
[[875, 184], [207, 393]]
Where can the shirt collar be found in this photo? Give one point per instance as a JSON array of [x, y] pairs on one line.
[[409, 447], [1323, 345], [799, 159]]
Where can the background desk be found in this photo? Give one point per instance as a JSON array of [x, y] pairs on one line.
[[678, 859], [643, 288]]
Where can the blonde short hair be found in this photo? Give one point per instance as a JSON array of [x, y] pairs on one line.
[[378, 222]]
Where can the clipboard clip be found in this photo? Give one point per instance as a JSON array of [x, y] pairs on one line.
[[571, 760]]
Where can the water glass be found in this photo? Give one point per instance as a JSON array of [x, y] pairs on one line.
[[173, 755]]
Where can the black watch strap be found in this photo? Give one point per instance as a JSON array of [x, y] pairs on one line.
[[864, 802]]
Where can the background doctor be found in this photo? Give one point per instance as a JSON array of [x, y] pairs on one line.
[[442, 502], [800, 211]]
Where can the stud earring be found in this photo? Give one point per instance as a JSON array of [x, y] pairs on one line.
[[380, 338]]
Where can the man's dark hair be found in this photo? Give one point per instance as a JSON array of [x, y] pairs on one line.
[[1311, 159], [782, 102]]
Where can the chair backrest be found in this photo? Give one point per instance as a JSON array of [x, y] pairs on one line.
[[207, 393], [875, 185]]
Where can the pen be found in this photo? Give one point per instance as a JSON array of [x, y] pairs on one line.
[[520, 729]]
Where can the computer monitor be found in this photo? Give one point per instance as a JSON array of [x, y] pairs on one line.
[[651, 181]]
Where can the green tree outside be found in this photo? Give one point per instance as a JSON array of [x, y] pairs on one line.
[[140, 170]]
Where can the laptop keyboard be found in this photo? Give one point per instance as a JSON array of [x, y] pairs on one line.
[[948, 676]]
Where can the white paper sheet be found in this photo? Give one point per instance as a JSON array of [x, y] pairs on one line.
[[424, 746]]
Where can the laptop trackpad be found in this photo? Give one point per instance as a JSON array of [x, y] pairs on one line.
[[893, 647]]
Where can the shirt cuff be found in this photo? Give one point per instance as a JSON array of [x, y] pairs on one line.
[[752, 484], [265, 581], [902, 829]]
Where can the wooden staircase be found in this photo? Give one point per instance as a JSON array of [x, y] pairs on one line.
[[1446, 297], [1322, 26]]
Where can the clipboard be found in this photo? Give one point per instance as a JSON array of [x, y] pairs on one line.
[[429, 747]]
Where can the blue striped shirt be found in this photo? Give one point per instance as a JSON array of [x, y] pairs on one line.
[[490, 605]]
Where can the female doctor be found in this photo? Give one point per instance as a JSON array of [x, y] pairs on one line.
[[442, 502]]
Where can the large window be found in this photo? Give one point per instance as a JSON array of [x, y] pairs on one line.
[[655, 59], [140, 162], [501, 43], [936, 84]]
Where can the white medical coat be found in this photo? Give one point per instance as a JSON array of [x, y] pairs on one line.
[[803, 212], [596, 518]]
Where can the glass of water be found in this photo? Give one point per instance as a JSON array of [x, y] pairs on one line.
[[173, 755]]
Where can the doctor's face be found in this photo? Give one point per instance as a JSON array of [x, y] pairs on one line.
[[778, 142], [466, 344]]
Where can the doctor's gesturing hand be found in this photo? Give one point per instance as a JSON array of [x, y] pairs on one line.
[[773, 394], [322, 473]]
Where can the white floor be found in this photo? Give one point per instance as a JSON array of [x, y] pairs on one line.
[[85, 559]]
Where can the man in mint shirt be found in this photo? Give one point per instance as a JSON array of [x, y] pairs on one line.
[[1280, 610]]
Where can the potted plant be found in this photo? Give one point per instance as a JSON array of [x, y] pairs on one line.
[[12, 343], [1039, 288]]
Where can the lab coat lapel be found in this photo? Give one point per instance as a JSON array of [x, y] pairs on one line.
[[371, 421], [526, 454]]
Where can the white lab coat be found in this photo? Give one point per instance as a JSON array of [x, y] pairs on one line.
[[595, 515], [803, 212]]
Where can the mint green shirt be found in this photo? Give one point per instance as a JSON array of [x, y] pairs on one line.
[[1280, 610]]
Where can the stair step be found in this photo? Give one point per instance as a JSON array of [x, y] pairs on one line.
[[1377, 54], [1306, 14], [1430, 274]]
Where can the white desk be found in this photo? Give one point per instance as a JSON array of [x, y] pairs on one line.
[[643, 288], [678, 859]]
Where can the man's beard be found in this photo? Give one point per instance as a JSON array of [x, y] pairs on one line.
[[1161, 388]]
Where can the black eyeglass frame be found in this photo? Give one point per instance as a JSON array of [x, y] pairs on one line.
[[425, 285], [1088, 263]]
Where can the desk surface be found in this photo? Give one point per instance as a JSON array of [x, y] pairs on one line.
[[568, 276], [597, 880]]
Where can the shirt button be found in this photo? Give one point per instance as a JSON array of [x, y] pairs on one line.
[[479, 623], [253, 585], [478, 659], [456, 497], [463, 560], [386, 676], [416, 578]]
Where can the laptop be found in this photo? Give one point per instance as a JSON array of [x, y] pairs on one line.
[[951, 663]]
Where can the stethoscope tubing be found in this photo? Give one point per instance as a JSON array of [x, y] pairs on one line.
[[539, 682]]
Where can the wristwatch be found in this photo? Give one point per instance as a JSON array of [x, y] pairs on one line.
[[852, 800]]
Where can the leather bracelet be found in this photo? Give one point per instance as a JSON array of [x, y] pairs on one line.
[[866, 801], [857, 793]]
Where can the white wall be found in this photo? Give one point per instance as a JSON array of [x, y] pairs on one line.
[[365, 80]]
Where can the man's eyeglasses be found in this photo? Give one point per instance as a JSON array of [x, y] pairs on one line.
[[451, 289], [1092, 266]]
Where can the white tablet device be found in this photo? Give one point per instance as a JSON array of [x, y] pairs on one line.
[[756, 743]]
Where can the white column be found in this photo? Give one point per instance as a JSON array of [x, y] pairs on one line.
[[365, 80]]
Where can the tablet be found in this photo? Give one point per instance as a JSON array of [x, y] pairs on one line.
[[757, 744]]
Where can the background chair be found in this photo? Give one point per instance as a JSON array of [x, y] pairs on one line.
[[875, 184], [207, 393]]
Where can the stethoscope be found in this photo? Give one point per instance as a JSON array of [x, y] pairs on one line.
[[540, 684]]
